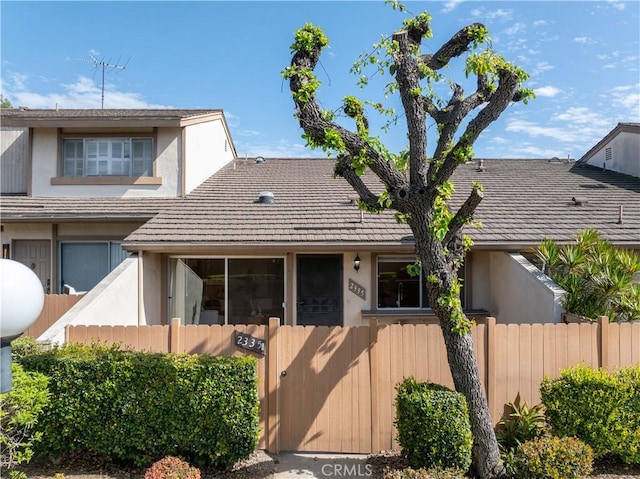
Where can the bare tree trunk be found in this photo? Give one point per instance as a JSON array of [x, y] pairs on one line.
[[486, 463], [466, 378]]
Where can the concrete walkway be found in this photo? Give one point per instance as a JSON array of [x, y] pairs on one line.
[[298, 465]]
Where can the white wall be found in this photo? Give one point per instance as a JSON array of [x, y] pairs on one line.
[[151, 311], [625, 151], [521, 293], [206, 151], [112, 302]]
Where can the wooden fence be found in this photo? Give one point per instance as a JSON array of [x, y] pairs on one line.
[[55, 305], [333, 389]]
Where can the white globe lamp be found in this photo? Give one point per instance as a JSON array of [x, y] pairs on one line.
[[21, 302]]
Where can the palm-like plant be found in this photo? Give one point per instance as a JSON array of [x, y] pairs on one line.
[[600, 280]]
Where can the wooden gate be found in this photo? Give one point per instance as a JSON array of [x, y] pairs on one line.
[[324, 389]]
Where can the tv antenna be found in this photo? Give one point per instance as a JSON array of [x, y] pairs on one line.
[[104, 64]]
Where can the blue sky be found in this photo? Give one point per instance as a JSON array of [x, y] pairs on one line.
[[583, 58]]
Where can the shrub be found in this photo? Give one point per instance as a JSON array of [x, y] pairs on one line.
[[598, 277], [19, 411], [24, 346], [139, 407], [171, 467], [433, 425], [550, 457], [410, 473], [598, 407], [522, 423]]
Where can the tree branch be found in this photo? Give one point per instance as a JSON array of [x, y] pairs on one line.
[[316, 126], [407, 77], [344, 169], [456, 46], [463, 215]]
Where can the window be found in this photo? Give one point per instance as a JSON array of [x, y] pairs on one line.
[[398, 289], [83, 157], [241, 290], [84, 264]]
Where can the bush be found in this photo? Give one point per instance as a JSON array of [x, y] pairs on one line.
[[410, 473], [433, 425], [171, 467], [550, 457], [522, 423], [19, 411], [598, 407], [598, 277], [140, 407], [24, 346]]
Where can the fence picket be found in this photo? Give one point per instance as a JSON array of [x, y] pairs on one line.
[[339, 388]]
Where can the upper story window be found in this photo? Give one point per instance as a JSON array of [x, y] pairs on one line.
[[83, 157]]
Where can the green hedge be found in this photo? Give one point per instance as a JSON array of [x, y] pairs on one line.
[[140, 407], [433, 426], [598, 407], [19, 411]]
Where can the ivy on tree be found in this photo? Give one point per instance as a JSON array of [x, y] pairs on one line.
[[417, 185]]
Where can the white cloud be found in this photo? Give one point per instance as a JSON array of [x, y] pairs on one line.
[[580, 115], [542, 67], [83, 93], [618, 5], [540, 23], [584, 40], [516, 28], [491, 14], [279, 149], [523, 126], [450, 5], [546, 91], [627, 97]]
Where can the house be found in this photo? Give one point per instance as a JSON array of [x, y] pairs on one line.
[[75, 183], [617, 151], [264, 237]]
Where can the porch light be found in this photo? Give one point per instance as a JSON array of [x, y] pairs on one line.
[[356, 263], [22, 301]]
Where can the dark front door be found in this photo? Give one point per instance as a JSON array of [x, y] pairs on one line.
[[319, 290]]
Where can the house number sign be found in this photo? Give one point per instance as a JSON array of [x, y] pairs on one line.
[[358, 290], [247, 341]]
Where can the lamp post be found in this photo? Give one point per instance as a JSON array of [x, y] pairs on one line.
[[21, 302]]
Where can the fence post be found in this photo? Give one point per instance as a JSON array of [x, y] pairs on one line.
[[273, 417], [174, 335], [374, 385], [492, 352], [603, 324]]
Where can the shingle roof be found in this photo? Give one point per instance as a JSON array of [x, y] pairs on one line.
[[23, 117], [525, 201], [37, 209]]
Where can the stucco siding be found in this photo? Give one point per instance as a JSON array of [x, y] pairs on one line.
[[520, 293], [112, 302], [206, 151], [624, 154]]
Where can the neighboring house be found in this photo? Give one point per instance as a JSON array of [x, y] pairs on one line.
[[75, 183], [280, 237], [618, 151]]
